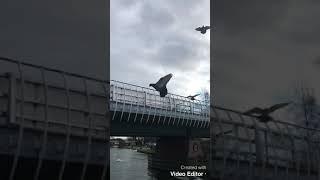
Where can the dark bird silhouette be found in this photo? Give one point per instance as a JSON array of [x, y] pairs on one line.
[[203, 29], [216, 136], [223, 133], [263, 113], [161, 85], [193, 97]]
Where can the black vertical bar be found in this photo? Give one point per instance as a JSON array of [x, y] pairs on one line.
[[107, 135], [68, 129], [45, 133], [21, 127], [89, 117]]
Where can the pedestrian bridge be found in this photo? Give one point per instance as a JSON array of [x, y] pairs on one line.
[[153, 115], [44, 98], [175, 110], [55, 123], [59, 122]]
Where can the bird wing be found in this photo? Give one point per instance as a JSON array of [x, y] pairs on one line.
[[196, 95], [207, 27], [223, 133], [255, 110], [277, 106], [198, 29], [164, 80], [163, 92]]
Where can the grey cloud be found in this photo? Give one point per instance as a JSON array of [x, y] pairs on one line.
[[158, 38], [260, 52], [126, 3], [57, 34], [177, 55], [241, 16], [155, 17], [317, 61]]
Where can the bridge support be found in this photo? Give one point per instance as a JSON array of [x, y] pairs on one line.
[[171, 153]]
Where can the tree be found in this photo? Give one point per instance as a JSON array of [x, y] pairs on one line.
[[205, 95], [305, 107]]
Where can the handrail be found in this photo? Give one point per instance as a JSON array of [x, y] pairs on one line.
[[53, 70], [275, 120], [74, 74], [147, 88]]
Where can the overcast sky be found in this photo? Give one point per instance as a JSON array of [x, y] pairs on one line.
[[150, 39], [263, 50], [69, 35]]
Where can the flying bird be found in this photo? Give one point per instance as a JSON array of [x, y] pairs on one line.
[[218, 135], [193, 97], [223, 133], [263, 113], [203, 29], [161, 85]]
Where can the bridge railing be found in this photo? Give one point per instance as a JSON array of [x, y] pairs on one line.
[[141, 96], [253, 149], [48, 115], [148, 99]]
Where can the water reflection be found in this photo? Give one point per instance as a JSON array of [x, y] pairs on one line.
[[128, 164]]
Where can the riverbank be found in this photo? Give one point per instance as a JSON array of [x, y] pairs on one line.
[[145, 150]]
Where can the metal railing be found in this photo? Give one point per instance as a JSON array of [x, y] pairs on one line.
[[51, 111], [135, 100], [252, 150], [47, 105], [262, 150]]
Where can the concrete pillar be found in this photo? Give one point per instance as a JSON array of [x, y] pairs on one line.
[[171, 153], [172, 147]]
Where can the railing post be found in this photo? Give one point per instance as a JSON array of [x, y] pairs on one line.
[[114, 93], [42, 152], [12, 98], [258, 144], [21, 128], [266, 146], [145, 98], [68, 131]]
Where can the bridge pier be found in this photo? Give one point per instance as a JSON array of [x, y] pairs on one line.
[[172, 147], [171, 153]]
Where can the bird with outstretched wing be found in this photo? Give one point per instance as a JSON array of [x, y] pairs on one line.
[[277, 106], [203, 29], [216, 136], [263, 113], [161, 85], [193, 97]]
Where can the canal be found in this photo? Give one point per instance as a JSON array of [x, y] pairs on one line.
[[128, 164]]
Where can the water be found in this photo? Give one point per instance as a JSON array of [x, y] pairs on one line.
[[128, 164]]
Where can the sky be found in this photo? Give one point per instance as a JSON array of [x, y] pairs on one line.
[[263, 51], [150, 39], [66, 35]]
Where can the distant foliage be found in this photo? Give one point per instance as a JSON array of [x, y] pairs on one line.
[[205, 96], [305, 107]]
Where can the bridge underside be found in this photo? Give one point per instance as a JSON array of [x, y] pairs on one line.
[[125, 124]]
